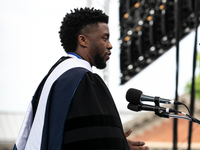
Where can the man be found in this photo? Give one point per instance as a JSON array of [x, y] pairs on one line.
[[72, 108]]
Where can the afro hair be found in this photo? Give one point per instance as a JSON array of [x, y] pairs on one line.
[[75, 21]]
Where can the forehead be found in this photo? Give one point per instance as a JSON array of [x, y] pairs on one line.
[[103, 27], [99, 28]]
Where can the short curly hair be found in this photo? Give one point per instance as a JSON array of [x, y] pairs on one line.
[[74, 22]]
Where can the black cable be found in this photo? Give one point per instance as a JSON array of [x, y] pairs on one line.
[[187, 109], [180, 103]]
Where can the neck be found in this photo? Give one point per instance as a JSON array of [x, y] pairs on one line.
[[83, 54]]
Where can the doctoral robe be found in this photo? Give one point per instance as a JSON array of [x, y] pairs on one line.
[[75, 111]]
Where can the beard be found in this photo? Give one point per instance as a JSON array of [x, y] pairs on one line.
[[99, 62]]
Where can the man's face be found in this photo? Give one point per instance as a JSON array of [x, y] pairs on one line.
[[99, 45]]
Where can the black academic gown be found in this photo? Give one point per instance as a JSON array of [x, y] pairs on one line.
[[79, 113]]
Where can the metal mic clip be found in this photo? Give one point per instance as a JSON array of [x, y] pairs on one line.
[[158, 111]]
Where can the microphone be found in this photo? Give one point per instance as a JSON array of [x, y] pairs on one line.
[[135, 97], [147, 107]]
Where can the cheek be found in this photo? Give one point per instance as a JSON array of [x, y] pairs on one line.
[[103, 46], [98, 48]]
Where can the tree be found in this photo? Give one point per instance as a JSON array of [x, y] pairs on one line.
[[197, 81]]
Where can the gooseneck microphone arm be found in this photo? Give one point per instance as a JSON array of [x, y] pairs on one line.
[[185, 117]]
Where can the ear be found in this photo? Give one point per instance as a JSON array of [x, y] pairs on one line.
[[82, 40]]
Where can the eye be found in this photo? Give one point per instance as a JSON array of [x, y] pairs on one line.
[[105, 38]]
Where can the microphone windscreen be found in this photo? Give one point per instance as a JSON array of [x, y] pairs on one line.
[[133, 96], [133, 107]]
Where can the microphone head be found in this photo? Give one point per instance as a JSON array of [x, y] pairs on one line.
[[134, 107], [133, 96]]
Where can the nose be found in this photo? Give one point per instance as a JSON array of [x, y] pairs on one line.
[[109, 45]]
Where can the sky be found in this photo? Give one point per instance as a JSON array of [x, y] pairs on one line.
[[30, 45]]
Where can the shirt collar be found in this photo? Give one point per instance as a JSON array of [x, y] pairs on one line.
[[75, 55]]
